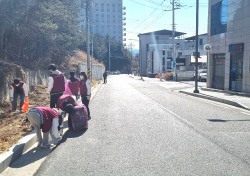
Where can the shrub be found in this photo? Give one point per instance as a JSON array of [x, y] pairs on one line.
[[167, 76]]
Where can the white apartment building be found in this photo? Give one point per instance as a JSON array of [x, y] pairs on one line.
[[105, 17], [229, 37], [156, 52], [108, 18], [149, 42]]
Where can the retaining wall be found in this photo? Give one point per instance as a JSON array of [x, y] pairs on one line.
[[41, 78]]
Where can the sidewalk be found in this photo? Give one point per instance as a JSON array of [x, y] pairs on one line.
[[240, 100], [237, 99]]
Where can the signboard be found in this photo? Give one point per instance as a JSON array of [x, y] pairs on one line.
[[181, 61], [239, 47]]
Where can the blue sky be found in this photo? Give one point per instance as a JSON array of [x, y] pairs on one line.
[[151, 15]]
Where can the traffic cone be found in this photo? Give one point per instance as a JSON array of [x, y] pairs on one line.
[[25, 106]]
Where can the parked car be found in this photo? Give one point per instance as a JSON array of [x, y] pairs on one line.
[[117, 72], [202, 75]]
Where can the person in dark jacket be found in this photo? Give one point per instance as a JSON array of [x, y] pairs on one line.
[[18, 89], [45, 119], [85, 91], [105, 75], [56, 84]]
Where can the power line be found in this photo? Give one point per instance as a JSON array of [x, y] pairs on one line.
[[148, 16], [143, 4]]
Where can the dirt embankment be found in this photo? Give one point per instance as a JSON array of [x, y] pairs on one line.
[[13, 125]]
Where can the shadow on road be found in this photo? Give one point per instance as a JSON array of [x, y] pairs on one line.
[[31, 156], [69, 134], [37, 153], [221, 120]]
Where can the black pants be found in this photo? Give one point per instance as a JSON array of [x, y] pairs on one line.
[[105, 79], [53, 99], [85, 101], [69, 122], [14, 102]]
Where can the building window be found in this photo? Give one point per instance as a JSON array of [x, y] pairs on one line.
[[219, 17], [201, 41]]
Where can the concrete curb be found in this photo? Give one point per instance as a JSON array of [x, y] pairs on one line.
[[17, 150], [226, 91], [232, 103], [25, 143]]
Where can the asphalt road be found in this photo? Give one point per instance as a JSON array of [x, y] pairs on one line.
[[147, 128]]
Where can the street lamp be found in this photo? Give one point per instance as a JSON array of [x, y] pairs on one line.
[[196, 53]]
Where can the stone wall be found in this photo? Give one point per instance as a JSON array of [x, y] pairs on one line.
[[32, 78]]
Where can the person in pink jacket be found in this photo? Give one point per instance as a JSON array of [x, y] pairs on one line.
[[85, 91], [45, 119], [56, 84], [73, 84]]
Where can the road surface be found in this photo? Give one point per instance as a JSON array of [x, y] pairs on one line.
[[147, 128]]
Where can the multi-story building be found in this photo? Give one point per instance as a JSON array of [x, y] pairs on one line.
[[150, 43], [156, 52], [228, 36], [108, 18], [105, 17]]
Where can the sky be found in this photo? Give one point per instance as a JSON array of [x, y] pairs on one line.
[[144, 16]]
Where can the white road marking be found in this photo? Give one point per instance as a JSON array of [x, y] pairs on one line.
[[228, 135], [245, 113]]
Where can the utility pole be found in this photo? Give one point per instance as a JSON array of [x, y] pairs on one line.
[[173, 39], [92, 53], [88, 8], [109, 54], [196, 53], [175, 6]]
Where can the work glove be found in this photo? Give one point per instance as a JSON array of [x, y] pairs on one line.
[[78, 97], [88, 97]]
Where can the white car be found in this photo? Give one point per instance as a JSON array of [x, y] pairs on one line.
[[202, 75]]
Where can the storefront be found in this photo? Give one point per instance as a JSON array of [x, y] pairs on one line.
[[228, 33], [218, 71], [236, 67]]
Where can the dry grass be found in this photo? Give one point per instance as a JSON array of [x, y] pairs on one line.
[[13, 125]]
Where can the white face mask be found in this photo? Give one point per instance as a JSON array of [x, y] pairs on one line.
[[81, 77]]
